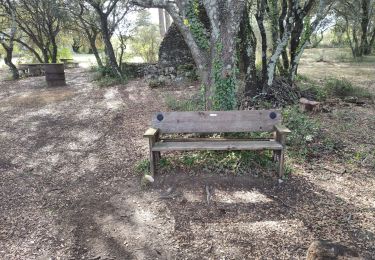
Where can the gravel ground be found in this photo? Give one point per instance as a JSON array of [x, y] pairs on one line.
[[68, 188]]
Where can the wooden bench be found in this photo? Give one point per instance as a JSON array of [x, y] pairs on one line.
[[216, 122]]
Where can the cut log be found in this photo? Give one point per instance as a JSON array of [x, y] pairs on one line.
[[309, 105]]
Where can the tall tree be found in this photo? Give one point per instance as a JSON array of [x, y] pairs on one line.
[[161, 22], [88, 21], [110, 13], [214, 48], [357, 18], [41, 21], [7, 41]]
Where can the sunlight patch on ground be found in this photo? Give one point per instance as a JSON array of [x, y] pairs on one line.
[[240, 197], [192, 196], [90, 163], [113, 99], [88, 136], [229, 239]]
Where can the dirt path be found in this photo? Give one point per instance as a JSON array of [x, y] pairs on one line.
[[65, 153], [68, 188]]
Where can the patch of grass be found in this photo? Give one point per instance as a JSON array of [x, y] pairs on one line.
[[195, 103], [109, 81], [105, 77], [304, 131], [343, 88], [310, 88], [219, 162], [142, 167]]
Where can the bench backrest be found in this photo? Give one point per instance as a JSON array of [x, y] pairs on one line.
[[216, 121]]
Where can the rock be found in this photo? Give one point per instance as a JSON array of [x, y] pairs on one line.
[[322, 250], [149, 178], [173, 49]]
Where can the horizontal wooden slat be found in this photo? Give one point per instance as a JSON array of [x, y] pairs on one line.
[[191, 139], [217, 146], [216, 121]]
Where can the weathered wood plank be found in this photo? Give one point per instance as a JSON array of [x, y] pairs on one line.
[[282, 129], [150, 132], [216, 121], [192, 139], [217, 146]]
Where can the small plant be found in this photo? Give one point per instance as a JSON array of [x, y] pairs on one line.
[[156, 83], [105, 77], [304, 130], [142, 167]]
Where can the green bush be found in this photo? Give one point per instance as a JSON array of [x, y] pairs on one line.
[[143, 166], [343, 88], [105, 77], [304, 130]]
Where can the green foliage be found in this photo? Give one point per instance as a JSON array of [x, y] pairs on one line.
[[304, 131], [313, 90], [224, 97], [105, 77], [64, 53], [143, 166], [307, 31], [196, 26], [343, 88], [195, 103], [233, 162], [155, 83], [146, 40]]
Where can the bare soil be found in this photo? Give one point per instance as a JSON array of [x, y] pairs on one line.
[[68, 188]]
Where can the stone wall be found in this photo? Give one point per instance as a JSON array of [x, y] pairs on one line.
[[173, 50]]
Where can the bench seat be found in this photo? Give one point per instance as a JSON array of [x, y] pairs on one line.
[[217, 146]]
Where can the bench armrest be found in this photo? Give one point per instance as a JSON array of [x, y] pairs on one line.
[[151, 132], [282, 129]]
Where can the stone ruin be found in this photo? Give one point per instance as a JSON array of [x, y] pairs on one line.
[[175, 64]]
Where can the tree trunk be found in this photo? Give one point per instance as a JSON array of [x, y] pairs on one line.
[[8, 59], [247, 50], [108, 46], [260, 20], [168, 21], [364, 25], [54, 50], [161, 22]]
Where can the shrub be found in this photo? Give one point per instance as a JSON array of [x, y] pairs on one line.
[[304, 130], [105, 77]]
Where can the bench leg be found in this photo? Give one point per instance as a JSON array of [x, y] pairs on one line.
[[279, 157]]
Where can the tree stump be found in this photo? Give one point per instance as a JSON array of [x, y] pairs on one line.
[[309, 105]]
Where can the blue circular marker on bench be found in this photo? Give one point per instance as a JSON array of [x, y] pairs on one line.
[[160, 117], [273, 115]]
